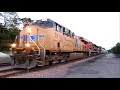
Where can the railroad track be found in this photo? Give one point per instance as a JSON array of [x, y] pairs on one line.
[[14, 72], [9, 72], [5, 68], [4, 64]]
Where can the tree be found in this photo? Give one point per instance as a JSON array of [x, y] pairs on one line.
[[1, 28], [11, 19], [26, 21], [13, 32], [116, 49], [8, 29]]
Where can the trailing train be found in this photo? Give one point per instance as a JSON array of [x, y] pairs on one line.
[[45, 42]]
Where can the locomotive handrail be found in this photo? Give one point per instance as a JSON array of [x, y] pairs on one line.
[[41, 45], [35, 44], [15, 38]]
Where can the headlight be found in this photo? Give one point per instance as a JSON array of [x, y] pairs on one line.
[[27, 45], [13, 45], [29, 30]]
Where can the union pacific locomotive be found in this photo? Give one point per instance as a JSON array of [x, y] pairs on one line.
[[45, 42]]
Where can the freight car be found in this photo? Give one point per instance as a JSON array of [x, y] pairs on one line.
[[45, 42]]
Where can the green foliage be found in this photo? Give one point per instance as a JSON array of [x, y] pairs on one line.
[[13, 32], [26, 20], [4, 41], [11, 19], [81, 37], [7, 37], [29, 20], [116, 49], [9, 30], [2, 28]]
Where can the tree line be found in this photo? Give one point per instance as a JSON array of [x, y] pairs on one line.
[[9, 28], [116, 49]]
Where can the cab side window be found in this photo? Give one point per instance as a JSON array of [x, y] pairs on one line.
[[57, 27], [58, 44], [63, 30]]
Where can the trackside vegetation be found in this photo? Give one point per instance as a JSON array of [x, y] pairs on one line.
[[116, 49]]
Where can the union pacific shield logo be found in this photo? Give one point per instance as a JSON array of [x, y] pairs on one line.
[[33, 37], [41, 36]]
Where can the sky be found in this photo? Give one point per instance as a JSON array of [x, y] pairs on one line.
[[101, 28]]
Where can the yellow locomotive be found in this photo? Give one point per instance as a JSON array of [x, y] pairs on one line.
[[45, 42]]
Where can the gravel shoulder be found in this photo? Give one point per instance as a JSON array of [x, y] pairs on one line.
[[107, 66]]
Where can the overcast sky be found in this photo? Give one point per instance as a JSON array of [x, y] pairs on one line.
[[102, 28]]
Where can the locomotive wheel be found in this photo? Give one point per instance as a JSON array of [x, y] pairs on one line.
[[66, 59], [84, 55], [59, 61], [63, 60], [50, 62]]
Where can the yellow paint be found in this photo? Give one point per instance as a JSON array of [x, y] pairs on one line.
[[51, 39]]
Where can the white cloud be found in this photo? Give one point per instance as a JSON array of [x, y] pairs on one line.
[[102, 28]]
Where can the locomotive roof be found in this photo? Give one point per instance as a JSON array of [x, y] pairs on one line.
[[49, 20], [85, 40]]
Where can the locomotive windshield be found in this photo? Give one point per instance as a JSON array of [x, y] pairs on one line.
[[43, 23]]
